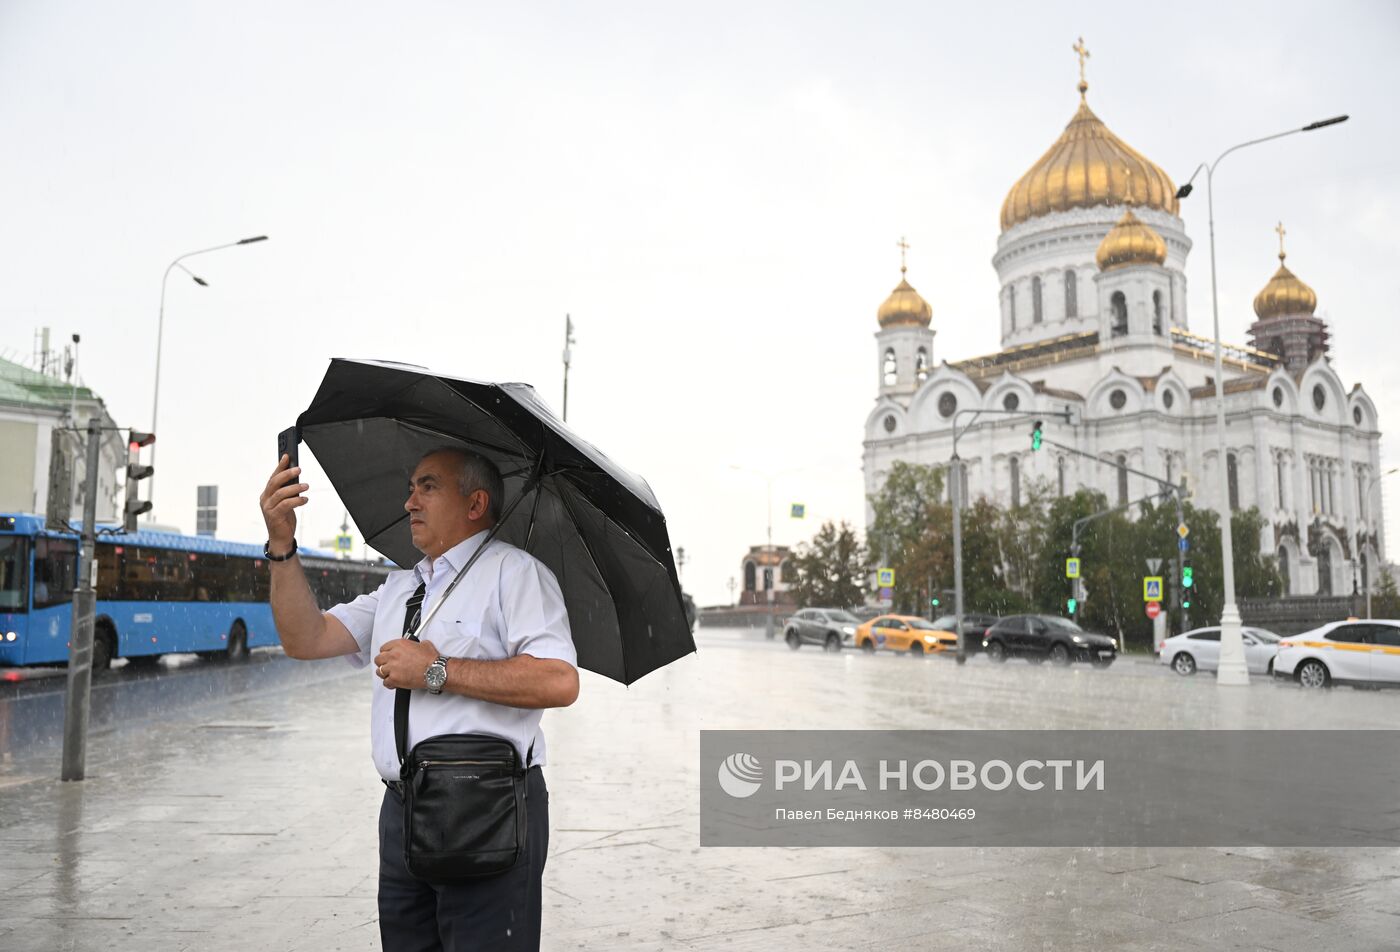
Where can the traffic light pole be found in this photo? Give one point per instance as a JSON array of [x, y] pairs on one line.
[[79, 694], [955, 471]]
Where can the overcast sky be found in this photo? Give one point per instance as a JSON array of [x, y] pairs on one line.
[[713, 191]]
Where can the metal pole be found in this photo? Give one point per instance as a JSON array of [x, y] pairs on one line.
[[568, 355], [956, 473], [1184, 613], [772, 591], [1232, 671], [79, 695], [1371, 510], [160, 333]]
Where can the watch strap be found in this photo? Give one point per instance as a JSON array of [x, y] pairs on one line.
[[267, 552]]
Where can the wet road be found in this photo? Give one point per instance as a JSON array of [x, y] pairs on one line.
[[129, 697]]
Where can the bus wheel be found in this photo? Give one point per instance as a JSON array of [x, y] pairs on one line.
[[237, 642], [102, 640]]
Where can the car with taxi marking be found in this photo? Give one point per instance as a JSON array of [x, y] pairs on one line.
[[907, 633], [1362, 652]]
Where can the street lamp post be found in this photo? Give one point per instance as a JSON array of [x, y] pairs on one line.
[[160, 333], [1232, 671], [1371, 569]]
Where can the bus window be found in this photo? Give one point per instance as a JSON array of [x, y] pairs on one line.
[[211, 576], [14, 573], [109, 570], [55, 571]]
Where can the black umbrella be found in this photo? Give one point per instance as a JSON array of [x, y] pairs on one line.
[[597, 526]]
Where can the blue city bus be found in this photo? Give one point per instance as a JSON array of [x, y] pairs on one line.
[[157, 593]]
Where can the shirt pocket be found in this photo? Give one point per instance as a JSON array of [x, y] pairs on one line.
[[465, 638]]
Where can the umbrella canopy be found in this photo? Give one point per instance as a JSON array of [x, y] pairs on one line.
[[596, 526]]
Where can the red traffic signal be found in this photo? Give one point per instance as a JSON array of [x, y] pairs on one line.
[[137, 439]]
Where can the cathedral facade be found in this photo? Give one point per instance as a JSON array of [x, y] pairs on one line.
[[1091, 260]]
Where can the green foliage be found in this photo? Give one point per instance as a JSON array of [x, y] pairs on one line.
[[1385, 601], [831, 569], [1256, 574]]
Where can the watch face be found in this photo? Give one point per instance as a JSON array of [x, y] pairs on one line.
[[436, 676]]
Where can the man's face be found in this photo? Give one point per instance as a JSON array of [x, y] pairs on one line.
[[439, 515]]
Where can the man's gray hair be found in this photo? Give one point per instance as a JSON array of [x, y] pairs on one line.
[[478, 472]]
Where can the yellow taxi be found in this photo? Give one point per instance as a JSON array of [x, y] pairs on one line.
[[903, 633]]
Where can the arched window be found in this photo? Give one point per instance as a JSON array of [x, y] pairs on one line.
[[787, 572], [1324, 570], [1037, 314], [1119, 304], [888, 368], [1011, 303], [750, 577], [921, 365], [1232, 477], [1122, 481], [1015, 483], [1157, 327], [1170, 461], [1060, 474], [1283, 569], [1280, 472], [1071, 293]]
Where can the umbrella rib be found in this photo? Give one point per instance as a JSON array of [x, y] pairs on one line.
[[563, 498]]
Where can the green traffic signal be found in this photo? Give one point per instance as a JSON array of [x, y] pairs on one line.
[[934, 601], [1072, 605], [1186, 580], [1036, 435]]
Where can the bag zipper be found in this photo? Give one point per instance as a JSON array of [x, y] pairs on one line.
[[460, 763]]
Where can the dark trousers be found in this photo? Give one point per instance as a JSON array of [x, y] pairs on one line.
[[494, 912]]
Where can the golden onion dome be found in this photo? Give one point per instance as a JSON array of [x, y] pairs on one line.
[[1086, 167], [904, 307], [1130, 242], [1284, 294]]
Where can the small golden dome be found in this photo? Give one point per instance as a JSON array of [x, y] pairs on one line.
[[1284, 294], [1087, 166], [904, 307], [1130, 242]]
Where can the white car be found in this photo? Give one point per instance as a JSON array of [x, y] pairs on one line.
[[1358, 651], [1199, 650]]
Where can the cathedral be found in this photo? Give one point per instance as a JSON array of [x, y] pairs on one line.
[[1091, 260]]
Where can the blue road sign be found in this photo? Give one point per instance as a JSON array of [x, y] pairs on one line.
[[1183, 545]]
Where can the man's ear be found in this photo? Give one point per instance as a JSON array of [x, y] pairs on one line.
[[481, 501]]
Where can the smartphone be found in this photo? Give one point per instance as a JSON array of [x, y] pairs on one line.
[[287, 442]]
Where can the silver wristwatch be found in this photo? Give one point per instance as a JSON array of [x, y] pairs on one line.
[[436, 675]]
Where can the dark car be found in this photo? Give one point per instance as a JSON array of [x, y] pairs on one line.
[[1037, 637], [975, 627], [832, 628]]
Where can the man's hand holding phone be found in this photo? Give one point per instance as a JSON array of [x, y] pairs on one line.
[[280, 500]]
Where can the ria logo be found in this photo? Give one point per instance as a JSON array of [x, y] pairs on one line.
[[740, 775]]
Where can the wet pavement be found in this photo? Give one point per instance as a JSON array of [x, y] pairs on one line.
[[247, 821]]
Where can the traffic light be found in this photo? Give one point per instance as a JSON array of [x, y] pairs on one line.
[[135, 472], [1071, 605], [934, 601], [1186, 580], [1035, 435]]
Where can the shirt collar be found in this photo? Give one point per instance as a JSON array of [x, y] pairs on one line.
[[455, 557]]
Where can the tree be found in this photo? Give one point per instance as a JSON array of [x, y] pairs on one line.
[[832, 568], [1256, 574], [1385, 603]]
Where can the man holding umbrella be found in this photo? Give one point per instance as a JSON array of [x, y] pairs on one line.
[[496, 652]]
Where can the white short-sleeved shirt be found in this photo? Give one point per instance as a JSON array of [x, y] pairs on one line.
[[508, 604]]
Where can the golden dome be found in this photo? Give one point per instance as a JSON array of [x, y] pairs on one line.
[[904, 307], [1087, 166], [1284, 294], [1130, 242]]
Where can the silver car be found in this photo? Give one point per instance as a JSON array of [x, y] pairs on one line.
[[1199, 650]]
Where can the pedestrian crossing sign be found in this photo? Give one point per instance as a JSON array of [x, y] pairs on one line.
[[1071, 568], [799, 510], [1152, 588], [887, 578], [343, 543]]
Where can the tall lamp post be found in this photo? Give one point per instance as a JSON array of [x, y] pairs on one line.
[[160, 333], [1232, 671], [1371, 569]]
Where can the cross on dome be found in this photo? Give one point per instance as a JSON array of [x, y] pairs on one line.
[[1281, 232], [1082, 52], [903, 246]]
